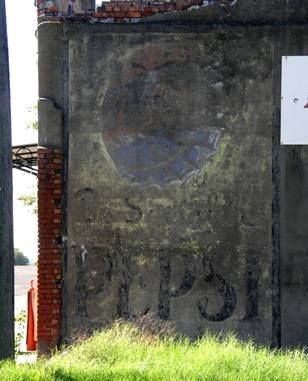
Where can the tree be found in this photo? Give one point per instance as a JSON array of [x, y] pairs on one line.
[[29, 200], [20, 259], [33, 123]]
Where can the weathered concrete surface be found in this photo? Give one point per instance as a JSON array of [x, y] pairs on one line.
[[294, 235], [6, 219], [251, 12], [171, 133], [51, 64], [169, 193], [294, 217]]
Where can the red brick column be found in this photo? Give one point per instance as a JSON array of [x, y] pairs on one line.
[[50, 248]]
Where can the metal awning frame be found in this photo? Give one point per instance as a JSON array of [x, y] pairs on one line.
[[24, 158]]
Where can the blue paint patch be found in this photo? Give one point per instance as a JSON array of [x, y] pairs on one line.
[[159, 160]]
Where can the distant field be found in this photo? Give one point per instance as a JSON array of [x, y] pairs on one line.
[[125, 353], [23, 276]]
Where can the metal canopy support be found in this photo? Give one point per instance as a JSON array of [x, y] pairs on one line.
[[6, 206], [24, 158]]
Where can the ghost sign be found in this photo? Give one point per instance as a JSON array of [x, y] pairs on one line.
[[294, 100]]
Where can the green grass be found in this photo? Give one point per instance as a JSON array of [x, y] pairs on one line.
[[124, 353]]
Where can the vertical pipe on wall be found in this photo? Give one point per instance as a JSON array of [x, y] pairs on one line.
[[276, 194], [276, 292], [6, 218]]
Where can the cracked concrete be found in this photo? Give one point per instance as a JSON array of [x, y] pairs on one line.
[[173, 170]]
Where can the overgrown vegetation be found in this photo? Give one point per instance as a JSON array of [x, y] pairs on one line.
[[29, 200], [33, 118], [20, 330], [126, 352]]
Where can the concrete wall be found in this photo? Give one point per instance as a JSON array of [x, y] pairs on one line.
[[6, 218], [169, 193], [294, 235], [172, 183]]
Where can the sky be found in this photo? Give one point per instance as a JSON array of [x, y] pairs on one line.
[[21, 24]]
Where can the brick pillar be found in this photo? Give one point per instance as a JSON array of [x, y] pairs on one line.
[[50, 248]]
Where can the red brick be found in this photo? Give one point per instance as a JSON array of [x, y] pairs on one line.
[[49, 263], [133, 14]]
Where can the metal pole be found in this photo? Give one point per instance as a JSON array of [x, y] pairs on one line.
[[6, 208]]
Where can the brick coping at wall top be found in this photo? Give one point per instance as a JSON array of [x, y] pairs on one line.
[[127, 11]]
